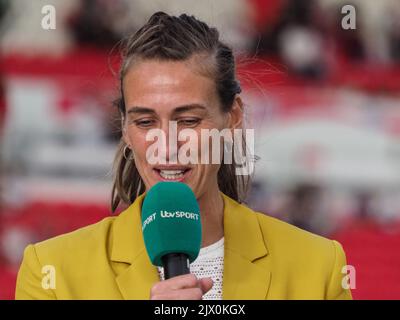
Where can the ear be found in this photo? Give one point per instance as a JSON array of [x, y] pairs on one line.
[[236, 114]]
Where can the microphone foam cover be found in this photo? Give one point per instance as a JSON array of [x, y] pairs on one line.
[[171, 221]]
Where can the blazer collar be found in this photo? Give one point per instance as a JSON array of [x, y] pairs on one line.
[[245, 274]]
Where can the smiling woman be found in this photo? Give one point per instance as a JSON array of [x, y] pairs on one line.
[[172, 91], [191, 81], [175, 69]]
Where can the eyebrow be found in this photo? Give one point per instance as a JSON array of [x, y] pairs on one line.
[[180, 109]]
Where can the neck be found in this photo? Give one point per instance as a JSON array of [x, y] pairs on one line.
[[211, 206]]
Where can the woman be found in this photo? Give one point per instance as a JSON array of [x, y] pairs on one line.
[[176, 69]]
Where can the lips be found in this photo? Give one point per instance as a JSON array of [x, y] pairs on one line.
[[172, 173]]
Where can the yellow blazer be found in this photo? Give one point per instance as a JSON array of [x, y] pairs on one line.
[[265, 258]]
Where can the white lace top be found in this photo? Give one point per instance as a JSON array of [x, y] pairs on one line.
[[209, 263]]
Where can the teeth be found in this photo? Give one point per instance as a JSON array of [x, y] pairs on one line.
[[171, 174], [171, 171]]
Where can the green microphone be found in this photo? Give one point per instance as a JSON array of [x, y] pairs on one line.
[[171, 227]]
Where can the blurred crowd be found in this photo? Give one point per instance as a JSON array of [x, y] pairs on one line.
[[304, 33]]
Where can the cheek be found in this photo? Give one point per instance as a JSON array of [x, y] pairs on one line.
[[206, 176], [138, 143]]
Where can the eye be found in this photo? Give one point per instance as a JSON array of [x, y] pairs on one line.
[[189, 122], [144, 123]]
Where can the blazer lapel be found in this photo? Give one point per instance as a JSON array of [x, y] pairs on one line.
[[137, 274], [246, 267], [136, 281]]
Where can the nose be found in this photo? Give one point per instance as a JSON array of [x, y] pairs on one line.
[[170, 145]]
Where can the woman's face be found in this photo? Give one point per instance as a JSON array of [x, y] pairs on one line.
[[157, 92]]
